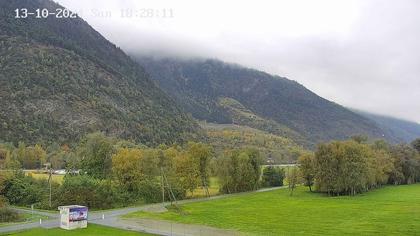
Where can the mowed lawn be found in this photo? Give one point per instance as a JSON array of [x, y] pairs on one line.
[[91, 230], [392, 210]]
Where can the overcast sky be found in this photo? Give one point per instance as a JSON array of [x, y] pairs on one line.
[[361, 54]]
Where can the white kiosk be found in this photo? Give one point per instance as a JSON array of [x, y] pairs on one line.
[[73, 217]]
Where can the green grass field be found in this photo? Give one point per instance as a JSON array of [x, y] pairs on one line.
[[91, 230], [392, 210], [55, 178]]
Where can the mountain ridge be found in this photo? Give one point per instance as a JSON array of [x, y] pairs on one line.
[[405, 130], [88, 82], [204, 81]]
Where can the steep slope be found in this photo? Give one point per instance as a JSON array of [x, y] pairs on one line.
[[61, 79], [242, 116], [200, 85], [276, 149], [403, 130]]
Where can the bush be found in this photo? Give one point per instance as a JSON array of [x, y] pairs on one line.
[[94, 193], [2, 201], [272, 177], [150, 191], [23, 190], [80, 190], [8, 215]]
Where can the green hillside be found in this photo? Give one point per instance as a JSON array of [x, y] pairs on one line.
[[243, 116], [272, 147], [209, 89], [61, 79]]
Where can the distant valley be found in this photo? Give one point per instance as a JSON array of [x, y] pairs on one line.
[[70, 81]]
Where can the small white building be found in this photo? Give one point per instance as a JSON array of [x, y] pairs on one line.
[[73, 217]]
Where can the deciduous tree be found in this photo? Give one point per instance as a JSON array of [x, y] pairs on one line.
[[96, 151], [307, 169], [126, 167]]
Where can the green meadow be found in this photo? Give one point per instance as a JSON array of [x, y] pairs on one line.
[[391, 210]]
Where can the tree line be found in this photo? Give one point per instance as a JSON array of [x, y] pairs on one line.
[[104, 172], [356, 166]]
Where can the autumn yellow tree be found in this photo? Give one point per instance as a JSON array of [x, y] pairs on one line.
[[200, 155], [187, 171], [126, 167]]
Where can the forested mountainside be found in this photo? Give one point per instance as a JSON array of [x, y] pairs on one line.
[[61, 79], [403, 130], [224, 93], [274, 148]]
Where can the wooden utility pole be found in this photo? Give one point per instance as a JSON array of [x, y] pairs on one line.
[[163, 186], [206, 187], [49, 182], [171, 194]]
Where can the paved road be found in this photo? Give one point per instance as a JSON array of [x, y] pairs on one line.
[[112, 218], [51, 222]]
